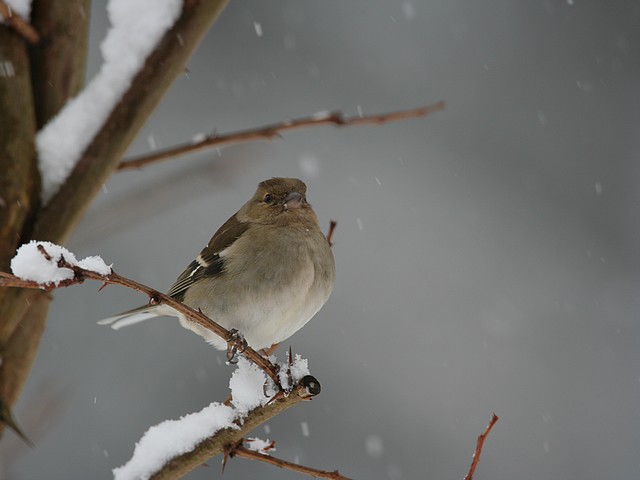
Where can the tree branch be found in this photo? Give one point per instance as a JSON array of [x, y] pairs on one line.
[[479, 444], [268, 132], [155, 297], [240, 451], [18, 158], [306, 389], [19, 24], [58, 63]]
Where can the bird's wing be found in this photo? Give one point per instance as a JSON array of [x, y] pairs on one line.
[[209, 263]]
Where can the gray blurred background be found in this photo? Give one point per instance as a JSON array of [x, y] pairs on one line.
[[488, 256]]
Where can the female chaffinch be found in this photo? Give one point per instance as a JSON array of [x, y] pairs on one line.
[[266, 271]]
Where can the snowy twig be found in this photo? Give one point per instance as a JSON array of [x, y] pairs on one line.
[[480, 443], [239, 450], [21, 26], [268, 132], [80, 275]]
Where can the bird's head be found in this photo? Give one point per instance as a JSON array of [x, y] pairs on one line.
[[278, 201]]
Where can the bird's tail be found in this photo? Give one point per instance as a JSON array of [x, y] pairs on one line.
[[131, 317]]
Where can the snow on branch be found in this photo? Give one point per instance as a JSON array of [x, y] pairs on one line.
[[136, 28], [268, 132], [46, 264], [172, 438]]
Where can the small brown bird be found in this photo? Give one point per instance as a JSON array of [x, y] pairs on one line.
[[266, 271]]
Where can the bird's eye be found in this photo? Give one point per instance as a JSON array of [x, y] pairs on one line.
[[268, 198]]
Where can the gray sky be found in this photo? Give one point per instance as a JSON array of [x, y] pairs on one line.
[[487, 257]]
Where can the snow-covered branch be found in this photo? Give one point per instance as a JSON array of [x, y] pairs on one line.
[[174, 447], [136, 29], [66, 163], [268, 132]]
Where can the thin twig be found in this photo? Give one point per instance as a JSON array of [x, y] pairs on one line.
[[155, 297], [268, 132], [22, 27], [479, 444], [241, 451], [332, 228]]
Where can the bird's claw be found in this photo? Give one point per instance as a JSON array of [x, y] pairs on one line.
[[236, 344]]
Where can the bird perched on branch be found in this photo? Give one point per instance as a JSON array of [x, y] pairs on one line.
[[266, 271]]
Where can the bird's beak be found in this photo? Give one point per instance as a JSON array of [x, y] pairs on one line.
[[293, 200]]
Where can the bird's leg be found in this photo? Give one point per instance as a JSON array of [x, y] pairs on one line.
[[236, 344], [266, 352]]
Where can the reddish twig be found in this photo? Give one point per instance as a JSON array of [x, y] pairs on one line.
[[268, 132], [479, 444], [240, 451], [21, 26], [155, 297], [8, 280]]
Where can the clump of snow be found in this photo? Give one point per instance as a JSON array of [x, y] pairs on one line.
[[95, 264], [136, 28], [21, 7], [171, 438], [260, 446], [30, 263], [247, 386], [298, 369]]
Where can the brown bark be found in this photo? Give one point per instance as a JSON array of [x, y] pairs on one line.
[[58, 61]]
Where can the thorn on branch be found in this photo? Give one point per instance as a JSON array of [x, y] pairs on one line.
[[44, 252], [332, 228]]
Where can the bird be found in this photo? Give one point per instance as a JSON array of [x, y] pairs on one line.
[[265, 272]]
